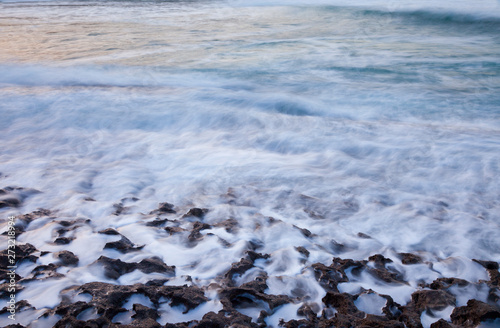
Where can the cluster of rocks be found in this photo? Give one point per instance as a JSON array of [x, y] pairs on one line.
[[340, 309]]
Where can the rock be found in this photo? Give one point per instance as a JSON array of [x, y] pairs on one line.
[[67, 258], [432, 299], [164, 208], [63, 240], [195, 234], [109, 231], [124, 245], [143, 312], [409, 258], [343, 303], [196, 212], [441, 323], [114, 268], [445, 283], [474, 313]]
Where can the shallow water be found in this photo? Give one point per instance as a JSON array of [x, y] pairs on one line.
[[337, 117]]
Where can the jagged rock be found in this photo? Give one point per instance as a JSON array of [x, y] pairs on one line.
[[303, 251], [164, 208], [67, 258], [444, 283], [195, 234], [124, 245], [63, 240], [343, 303], [114, 268], [432, 299], [109, 231], [474, 313], [441, 323], [196, 212], [23, 252], [172, 230], [409, 258], [143, 312], [230, 225]]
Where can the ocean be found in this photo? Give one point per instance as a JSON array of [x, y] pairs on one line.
[[348, 128]]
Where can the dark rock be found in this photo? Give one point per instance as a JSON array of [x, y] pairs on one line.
[[375, 321], [164, 208], [67, 258], [109, 231], [238, 268], [445, 283], [23, 252], [195, 234], [409, 258], [255, 256], [379, 260], [46, 271], [474, 313], [489, 265], [432, 299], [441, 323], [343, 303], [303, 251], [196, 212], [157, 222], [124, 245], [10, 202], [63, 240], [155, 264], [143, 312], [173, 230], [304, 231], [364, 235], [114, 268], [230, 225]]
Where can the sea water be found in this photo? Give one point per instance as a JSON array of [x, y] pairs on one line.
[[340, 117]]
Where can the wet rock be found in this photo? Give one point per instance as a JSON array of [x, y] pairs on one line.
[[157, 222], [195, 234], [474, 313], [409, 258], [124, 245], [143, 312], [63, 240], [374, 321], [114, 268], [10, 202], [379, 260], [441, 323], [492, 268], [432, 299], [238, 268], [46, 271], [66, 258], [23, 253], [164, 208], [196, 212], [343, 303], [230, 225], [14, 196], [304, 231], [109, 231], [155, 264], [364, 235], [174, 230], [303, 251], [445, 283]]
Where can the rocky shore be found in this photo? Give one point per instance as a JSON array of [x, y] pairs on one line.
[[104, 301]]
